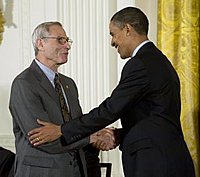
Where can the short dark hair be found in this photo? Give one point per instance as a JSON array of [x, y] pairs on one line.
[[133, 16]]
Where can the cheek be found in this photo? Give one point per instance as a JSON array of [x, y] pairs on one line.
[[124, 44], [52, 53], [53, 50], [121, 41], [124, 50]]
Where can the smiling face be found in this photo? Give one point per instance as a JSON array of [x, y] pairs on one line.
[[121, 40], [128, 29], [53, 53], [125, 39]]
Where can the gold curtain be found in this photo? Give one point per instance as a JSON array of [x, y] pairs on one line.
[[178, 38], [1, 25]]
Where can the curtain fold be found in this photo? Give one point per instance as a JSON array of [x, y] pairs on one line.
[[1, 25], [178, 38]]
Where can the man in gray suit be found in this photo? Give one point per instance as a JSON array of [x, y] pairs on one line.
[[33, 96]]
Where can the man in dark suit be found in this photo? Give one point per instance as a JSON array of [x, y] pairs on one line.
[[6, 162], [147, 100], [33, 95]]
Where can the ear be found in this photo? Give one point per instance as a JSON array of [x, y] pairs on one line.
[[128, 29], [40, 44]]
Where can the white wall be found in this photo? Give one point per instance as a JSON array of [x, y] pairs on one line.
[[93, 64]]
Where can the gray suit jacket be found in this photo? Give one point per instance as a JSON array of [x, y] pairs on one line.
[[33, 96]]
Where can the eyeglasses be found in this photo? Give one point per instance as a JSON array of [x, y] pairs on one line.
[[61, 40]]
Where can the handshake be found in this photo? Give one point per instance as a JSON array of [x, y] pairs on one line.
[[105, 139]]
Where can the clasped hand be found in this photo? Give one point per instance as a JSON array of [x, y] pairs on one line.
[[104, 139]]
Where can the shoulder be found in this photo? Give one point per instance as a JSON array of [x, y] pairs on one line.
[[67, 79], [29, 72], [134, 66]]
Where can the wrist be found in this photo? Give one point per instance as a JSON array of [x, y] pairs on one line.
[[93, 138], [60, 131]]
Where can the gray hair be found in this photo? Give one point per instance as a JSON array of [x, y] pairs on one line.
[[41, 31], [133, 16]]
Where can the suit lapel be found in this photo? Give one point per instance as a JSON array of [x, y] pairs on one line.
[[44, 82], [47, 86]]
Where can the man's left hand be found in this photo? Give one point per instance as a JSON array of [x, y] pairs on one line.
[[47, 133]]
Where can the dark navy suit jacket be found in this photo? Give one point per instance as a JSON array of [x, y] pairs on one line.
[[147, 100]]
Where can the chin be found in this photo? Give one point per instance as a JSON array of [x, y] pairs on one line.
[[61, 63], [123, 57]]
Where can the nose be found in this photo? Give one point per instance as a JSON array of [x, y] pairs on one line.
[[67, 45]]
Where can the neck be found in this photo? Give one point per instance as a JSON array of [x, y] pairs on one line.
[[138, 40], [48, 63]]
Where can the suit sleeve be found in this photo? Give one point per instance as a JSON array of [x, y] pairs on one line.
[[132, 87], [26, 106]]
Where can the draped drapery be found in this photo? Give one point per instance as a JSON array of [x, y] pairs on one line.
[[178, 38], [1, 24]]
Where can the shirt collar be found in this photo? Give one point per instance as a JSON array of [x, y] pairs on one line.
[[47, 71], [138, 47]]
